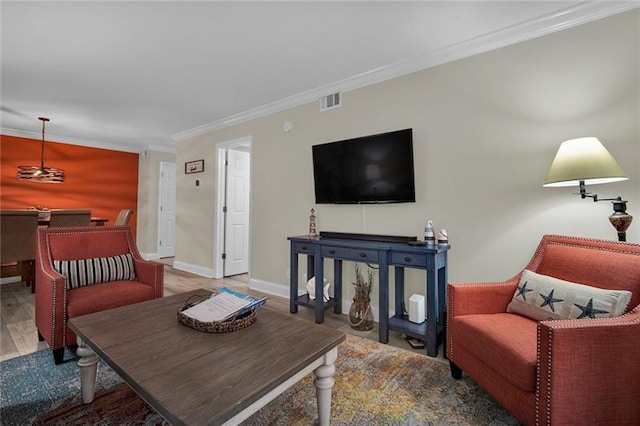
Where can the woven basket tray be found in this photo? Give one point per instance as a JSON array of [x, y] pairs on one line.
[[233, 324]]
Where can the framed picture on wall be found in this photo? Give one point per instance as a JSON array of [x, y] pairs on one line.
[[196, 166]]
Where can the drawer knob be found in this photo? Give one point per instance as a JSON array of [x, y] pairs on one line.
[[332, 252], [304, 247], [407, 259], [363, 254]]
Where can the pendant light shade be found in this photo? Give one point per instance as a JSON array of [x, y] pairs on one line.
[[41, 173]]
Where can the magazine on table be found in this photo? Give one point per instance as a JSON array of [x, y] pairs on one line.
[[223, 306]]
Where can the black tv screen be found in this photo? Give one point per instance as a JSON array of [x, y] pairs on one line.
[[369, 169]]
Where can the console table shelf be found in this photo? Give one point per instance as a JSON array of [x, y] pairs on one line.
[[305, 300], [404, 326], [399, 255]]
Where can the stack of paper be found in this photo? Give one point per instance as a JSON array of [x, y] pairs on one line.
[[223, 306]]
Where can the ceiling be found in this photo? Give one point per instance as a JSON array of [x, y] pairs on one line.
[[136, 75]]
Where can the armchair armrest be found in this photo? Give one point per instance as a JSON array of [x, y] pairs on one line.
[[480, 298], [151, 273], [589, 369], [51, 288]]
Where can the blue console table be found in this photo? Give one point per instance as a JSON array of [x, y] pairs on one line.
[[400, 255]]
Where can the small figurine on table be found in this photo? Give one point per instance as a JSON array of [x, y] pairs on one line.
[[312, 224], [429, 236], [443, 238], [311, 289]]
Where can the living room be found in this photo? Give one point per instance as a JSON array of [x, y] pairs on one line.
[[485, 129]]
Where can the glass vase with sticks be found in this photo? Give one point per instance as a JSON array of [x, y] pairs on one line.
[[360, 314]]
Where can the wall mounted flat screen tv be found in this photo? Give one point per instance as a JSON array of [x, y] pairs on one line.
[[369, 169]]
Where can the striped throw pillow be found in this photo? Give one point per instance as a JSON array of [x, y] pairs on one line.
[[80, 273]]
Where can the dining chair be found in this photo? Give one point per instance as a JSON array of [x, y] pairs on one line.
[[123, 217], [18, 229], [62, 218]]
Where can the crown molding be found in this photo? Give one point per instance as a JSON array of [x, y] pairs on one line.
[[84, 142], [567, 18], [162, 148]]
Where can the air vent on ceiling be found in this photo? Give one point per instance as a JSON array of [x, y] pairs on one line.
[[331, 101]]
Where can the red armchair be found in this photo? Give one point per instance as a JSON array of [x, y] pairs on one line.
[[100, 268], [554, 372]]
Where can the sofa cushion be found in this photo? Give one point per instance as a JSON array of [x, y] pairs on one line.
[[506, 343], [541, 297], [83, 272], [100, 297]]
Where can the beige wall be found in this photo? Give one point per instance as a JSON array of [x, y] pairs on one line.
[[148, 198], [485, 131]]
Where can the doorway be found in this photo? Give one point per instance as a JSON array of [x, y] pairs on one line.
[[233, 209], [167, 210]]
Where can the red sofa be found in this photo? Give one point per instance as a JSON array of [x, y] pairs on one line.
[[554, 372], [83, 270]]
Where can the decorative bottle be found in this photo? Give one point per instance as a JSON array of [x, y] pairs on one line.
[[429, 236]]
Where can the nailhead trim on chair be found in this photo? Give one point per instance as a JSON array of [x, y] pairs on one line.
[[53, 298], [549, 367], [543, 245], [538, 365], [602, 322], [132, 249], [100, 229], [450, 297], [449, 320], [64, 306], [538, 256], [538, 376]]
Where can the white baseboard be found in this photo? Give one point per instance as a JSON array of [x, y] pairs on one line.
[[283, 291], [194, 269], [269, 287], [9, 280], [150, 256]]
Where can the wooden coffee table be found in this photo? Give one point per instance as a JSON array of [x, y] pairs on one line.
[[191, 377]]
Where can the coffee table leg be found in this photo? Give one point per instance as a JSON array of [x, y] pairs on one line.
[[88, 364], [324, 385]]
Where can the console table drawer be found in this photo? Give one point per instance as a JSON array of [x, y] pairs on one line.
[[349, 254], [305, 248], [409, 259]]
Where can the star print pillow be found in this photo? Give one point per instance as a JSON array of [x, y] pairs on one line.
[[541, 297]]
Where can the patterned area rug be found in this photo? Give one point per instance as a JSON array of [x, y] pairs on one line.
[[375, 385]]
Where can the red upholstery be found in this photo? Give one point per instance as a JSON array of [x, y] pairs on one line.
[[513, 347], [563, 372], [55, 304], [100, 297]]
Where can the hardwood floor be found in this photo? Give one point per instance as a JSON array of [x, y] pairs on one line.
[[18, 335]]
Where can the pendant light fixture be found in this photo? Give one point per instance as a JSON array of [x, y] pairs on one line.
[[41, 173]]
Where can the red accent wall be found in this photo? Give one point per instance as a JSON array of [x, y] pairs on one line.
[[102, 180]]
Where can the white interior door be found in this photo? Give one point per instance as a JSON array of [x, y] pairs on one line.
[[236, 240], [167, 210]]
